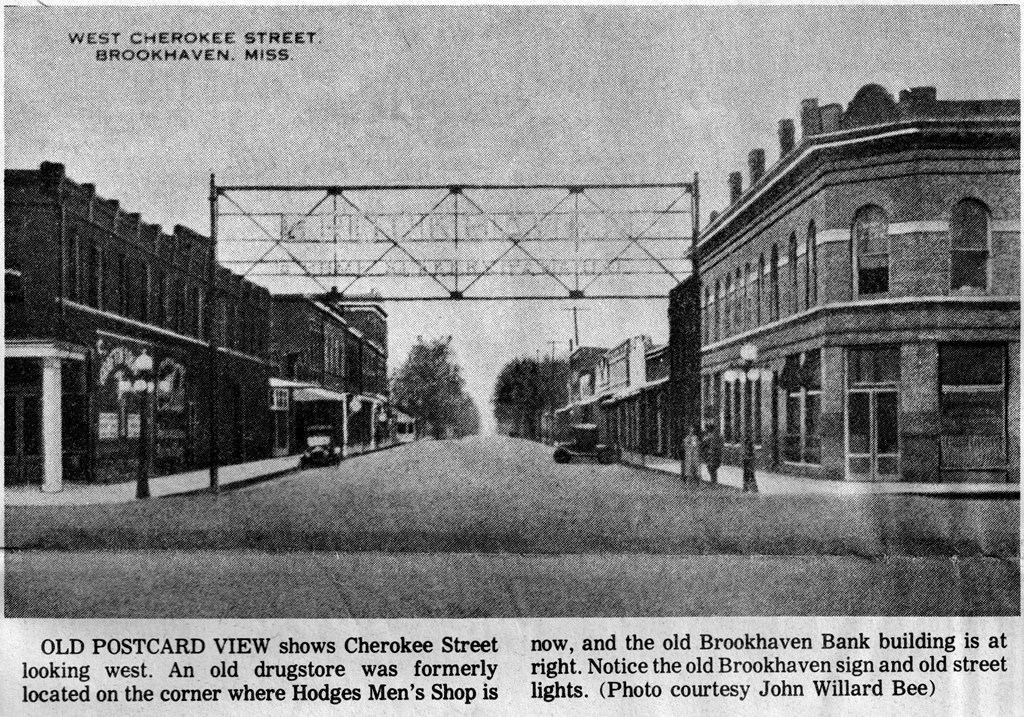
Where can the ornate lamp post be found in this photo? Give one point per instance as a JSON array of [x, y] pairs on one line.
[[143, 386], [748, 373], [748, 355]]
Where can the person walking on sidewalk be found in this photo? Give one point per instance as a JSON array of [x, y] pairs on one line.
[[711, 451], [691, 456]]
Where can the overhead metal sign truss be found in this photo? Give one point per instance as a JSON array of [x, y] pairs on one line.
[[509, 242]]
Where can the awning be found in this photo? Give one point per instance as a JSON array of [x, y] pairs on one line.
[[315, 393], [636, 390], [285, 383]]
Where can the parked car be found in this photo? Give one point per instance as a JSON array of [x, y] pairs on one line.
[[321, 450], [583, 443]]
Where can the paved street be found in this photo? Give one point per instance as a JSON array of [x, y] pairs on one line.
[[493, 527]]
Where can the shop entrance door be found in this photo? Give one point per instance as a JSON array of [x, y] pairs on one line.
[[23, 439], [872, 435]]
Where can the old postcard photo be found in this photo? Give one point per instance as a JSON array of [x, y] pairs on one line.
[[511, 312]]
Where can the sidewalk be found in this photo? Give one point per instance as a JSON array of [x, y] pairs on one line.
[[89, 494], [778, 484], [177, 484]]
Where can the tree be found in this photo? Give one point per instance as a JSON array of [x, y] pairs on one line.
[[524, 390], [467, 421], [431, 386]]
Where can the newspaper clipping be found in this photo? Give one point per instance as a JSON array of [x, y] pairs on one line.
[[550, 360]]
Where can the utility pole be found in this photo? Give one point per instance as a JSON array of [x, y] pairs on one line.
[[576, 323], [211, 318]]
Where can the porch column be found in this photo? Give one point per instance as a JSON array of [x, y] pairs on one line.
[[344, 426], [53, 449]]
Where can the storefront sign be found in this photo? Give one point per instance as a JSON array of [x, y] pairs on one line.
[[134, 425], [108, 426]]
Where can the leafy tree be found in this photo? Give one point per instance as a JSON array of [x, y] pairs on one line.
[[431, 386], [524, 389]]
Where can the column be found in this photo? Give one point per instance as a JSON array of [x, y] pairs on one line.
[[344, 426], [920, 421], [832, 424], [53, 448]]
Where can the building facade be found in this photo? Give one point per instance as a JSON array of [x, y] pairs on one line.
[[876, 268], [624, 391], [333, 356], [635, 411], [89, 289], [581, 406]]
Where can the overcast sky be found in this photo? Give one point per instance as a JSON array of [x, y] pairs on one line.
[[487, 95]]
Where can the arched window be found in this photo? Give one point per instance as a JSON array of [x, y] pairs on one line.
[[773, 285], [871, 250], [739, 301], [718, 308], [760, 283], [793, 274], [968, 246], [811, 288], [727, 305]]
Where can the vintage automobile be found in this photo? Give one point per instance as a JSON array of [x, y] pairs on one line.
[[583, 444], [321, 450]]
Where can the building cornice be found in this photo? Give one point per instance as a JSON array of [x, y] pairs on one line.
[[811, 146], [41, 348], [159, 330], [1001, 302]]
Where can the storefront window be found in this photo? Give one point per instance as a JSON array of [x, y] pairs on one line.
[[737, 423], [32, 434], [973, 406], [757, 412], [874, 365], [10, 425], [801, 381], [727, 413]]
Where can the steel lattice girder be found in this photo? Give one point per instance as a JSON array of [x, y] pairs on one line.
[[567, 236]]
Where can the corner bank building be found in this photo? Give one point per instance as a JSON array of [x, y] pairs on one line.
[[876, 268]]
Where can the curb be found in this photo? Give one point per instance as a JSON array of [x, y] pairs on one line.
[[661, 471], [255, 480]]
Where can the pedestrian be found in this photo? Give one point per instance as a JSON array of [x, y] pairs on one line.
[[711, 451], [691, 456]]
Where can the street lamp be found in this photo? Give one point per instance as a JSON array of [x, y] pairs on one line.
[[748, 373], [143, 386]]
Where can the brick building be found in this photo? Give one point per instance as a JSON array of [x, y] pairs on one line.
[[581, 406], [876, 267], [90, 288], [333, 354], [624, 391]]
